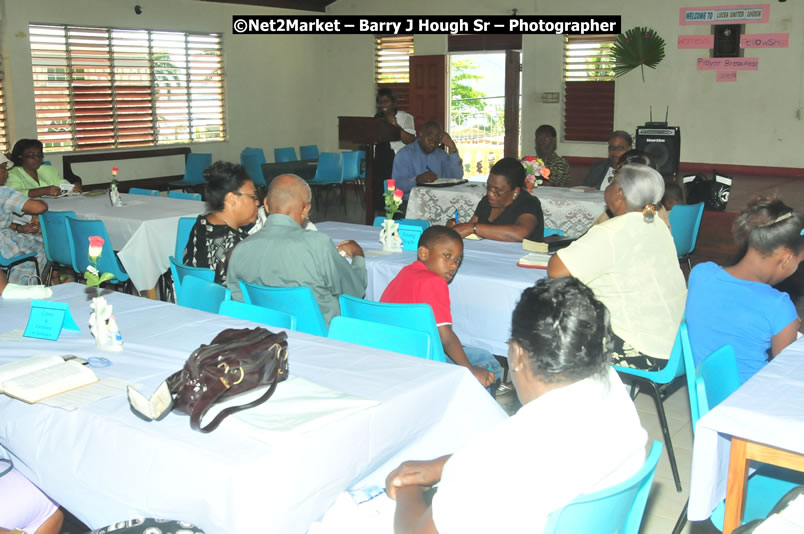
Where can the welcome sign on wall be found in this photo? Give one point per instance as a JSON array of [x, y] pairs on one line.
[[726, 68]]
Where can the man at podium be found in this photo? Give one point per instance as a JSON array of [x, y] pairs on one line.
[[425, 160]]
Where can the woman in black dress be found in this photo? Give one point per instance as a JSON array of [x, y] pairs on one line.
[[507, 212], [384, 152]]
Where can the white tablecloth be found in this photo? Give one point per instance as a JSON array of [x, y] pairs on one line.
[[104, 464], [483, 293], [564, 209], [143, 231], [768, 409]]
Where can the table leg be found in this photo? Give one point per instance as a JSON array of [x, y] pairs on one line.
[[735, 489]]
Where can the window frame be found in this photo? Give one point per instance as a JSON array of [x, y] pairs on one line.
[[588, 110], [108, 88], [395, 48]]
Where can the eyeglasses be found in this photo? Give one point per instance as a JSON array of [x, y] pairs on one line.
[[497, 192], [255, 197], [34, 156]]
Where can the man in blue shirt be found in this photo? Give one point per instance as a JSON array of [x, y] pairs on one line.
[[423, 161]]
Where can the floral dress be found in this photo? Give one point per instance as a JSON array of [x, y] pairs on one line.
[[210, 246], [13, 243]]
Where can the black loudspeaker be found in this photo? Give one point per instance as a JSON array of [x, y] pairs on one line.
[[663, 144], [727, 40]]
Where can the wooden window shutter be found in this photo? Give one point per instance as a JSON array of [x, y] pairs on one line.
[[588, 88], [393, 66]]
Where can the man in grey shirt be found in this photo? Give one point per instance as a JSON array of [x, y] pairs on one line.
[[283, 254]]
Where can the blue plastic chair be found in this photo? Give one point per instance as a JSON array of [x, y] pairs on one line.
[[285, 154], [553, 231], [201, 294], [351, 169], [298, 301], [252, 159], [380, 336], [660, 384], [6, 264], [78, 234], [184, 196], [179, 271], [308, 152], [685, 221], [194, 168], [183, 236], [615, 510], [329, 174], [54, 235], [141, 191], [413, 316], [258, 314]]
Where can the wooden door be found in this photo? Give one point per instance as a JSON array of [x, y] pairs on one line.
[[428, 89], [511, 142]]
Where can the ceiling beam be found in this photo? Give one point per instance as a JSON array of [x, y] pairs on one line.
[[301, 5]]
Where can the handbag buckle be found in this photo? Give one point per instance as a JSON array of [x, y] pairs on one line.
[[226, 371]]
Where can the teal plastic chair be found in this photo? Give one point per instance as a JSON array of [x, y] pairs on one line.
[[6, 264], [179, 271], [298, 301], [183, 236], [380, 336], [715, 379], [660, 384], [252, 159], [285, 154], [258, 314], [685, 221], [413, 316], [615, 510], [54, 235], [352, 170], [201, 294], [308, 152], [194, 168], [329, 175], [184, 196], [553, 231], [141, 191], [78, 234]]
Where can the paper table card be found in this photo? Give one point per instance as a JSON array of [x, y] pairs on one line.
[[47, 319]]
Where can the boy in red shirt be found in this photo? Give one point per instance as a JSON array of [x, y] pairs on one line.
[[425, 282]]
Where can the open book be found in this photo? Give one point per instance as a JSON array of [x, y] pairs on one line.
[[534, 260], [40, 377]]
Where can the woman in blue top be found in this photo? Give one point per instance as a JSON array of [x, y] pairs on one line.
[[737, 305]]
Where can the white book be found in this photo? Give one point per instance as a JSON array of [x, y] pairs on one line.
[[40, 377]]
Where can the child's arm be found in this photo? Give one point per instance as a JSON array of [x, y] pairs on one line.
[[454, 349]]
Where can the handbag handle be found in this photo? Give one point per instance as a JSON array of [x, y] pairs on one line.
[[211, 395]]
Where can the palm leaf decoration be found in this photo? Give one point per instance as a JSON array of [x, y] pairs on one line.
[[638, 47]]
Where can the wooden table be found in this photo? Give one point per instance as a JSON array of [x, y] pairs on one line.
[[762, 421]]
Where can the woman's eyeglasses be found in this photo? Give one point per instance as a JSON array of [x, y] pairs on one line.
[[255, 197], [34, 156]]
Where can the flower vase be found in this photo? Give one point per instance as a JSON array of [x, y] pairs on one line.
[[103, 326], [389, 236]]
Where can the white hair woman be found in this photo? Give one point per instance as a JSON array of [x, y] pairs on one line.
[[630, 263]]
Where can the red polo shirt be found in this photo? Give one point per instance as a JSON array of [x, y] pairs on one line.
[[415, 284]]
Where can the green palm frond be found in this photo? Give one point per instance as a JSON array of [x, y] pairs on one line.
[[638, 47]]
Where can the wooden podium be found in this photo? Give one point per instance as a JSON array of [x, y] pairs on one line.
[[367, 131]]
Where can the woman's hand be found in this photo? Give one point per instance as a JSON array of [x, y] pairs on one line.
[[77, 188], [414, 473], [52, 190], [463, 229]]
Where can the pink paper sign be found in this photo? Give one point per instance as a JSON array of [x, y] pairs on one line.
[[696, 41], [727, 75], [725, 14], [728, 63], [765, 40]]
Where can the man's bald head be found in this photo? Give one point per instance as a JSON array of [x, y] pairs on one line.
[[289, 195]]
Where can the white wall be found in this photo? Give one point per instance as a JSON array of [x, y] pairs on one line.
[[289, 90], [279, 89], [754, 121]]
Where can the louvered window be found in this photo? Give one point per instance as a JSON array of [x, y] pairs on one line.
[[3, 138], [392, 61], [588, 87], [101, 88]]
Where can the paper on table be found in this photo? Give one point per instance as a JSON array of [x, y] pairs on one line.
[[297, 406], [473, 237], [78, 398], [378, 252], [15, 335]]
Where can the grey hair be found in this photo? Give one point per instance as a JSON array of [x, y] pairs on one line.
[[642, 187]]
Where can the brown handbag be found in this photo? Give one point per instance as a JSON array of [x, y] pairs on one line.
[[236, 361]]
